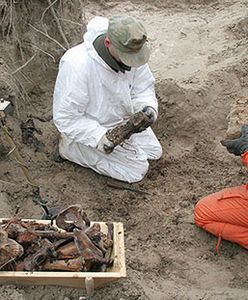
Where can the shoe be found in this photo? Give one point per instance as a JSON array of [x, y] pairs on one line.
[[56, 155]]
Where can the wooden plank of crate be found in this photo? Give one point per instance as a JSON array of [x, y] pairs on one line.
[[119, 250]]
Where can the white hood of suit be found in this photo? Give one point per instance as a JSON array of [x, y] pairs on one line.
[[97, 26]]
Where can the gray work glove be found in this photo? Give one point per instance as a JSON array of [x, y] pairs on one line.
[[151, 113], [238, 146], [105, 145]]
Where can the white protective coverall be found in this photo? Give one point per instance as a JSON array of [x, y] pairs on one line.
[[91, 98]]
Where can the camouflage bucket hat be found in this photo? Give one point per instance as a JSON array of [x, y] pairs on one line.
[[129, 38]]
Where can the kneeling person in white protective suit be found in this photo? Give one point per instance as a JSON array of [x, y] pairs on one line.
[[101, 83]]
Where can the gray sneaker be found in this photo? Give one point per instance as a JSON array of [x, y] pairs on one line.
[[56, 156]]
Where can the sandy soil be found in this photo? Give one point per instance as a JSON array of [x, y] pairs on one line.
[[199, 59]]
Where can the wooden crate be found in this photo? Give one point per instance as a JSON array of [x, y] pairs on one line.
[[88, 280]]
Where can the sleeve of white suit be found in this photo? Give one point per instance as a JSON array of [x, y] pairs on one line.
[[143, 92], [69, 106]]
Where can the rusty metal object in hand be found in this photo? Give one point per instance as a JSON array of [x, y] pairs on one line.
[[138, 122]]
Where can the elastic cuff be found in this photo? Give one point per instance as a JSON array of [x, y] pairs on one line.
[[154, 111], [245, 157]]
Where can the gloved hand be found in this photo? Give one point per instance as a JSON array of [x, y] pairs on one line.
[[151, 113], [105, 145], [238, 146]]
